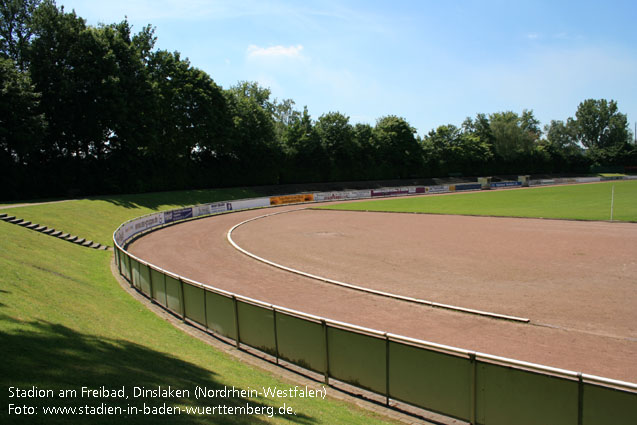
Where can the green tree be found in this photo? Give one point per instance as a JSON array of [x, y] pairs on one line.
[[131, 126], [255, 148], [16, 29], [398, 148], [284, 115], [306, 160], [191, 110], [480, 127], [97, 97], [603, 130], [560, 149], [65, 67], [456, 150], [21, 124], [514, 136], [562, 137], [368, 156], [337, 140]]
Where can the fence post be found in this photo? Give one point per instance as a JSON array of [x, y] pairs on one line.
[[474, 384], [165, 290], [327, 354], [236, 319], [205, 308], [386, 369], [130, 272], [276, 338], [580, 399], [183, 301], [150, 280], [118, 252]]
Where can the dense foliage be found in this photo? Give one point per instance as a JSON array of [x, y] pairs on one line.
[[87, 110]]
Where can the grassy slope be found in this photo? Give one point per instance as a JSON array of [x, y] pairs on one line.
[[581, 202], [97, 218], [65, 323]]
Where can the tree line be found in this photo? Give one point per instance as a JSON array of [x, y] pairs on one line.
[[98, 109]]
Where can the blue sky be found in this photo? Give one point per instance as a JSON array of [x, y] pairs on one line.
[[430, 62]]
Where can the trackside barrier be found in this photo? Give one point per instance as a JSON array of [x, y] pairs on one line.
[[473, 387]]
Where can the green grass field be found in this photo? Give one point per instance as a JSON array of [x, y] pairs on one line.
[[66, 323], [576, 202]]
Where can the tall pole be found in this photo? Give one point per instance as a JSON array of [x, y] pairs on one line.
[[612, 201]]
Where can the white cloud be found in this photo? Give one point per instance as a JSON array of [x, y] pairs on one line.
[[291, 52]]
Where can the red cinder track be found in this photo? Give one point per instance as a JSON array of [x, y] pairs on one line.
[[576, 281]]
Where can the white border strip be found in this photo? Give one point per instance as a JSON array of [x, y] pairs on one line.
[[361, 288]]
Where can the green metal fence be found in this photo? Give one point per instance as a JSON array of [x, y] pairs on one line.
[[475, 387]]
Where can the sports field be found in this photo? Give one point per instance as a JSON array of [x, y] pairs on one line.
[[572, 279], [575, 202]]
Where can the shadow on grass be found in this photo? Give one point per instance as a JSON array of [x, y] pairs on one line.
[[51, 356], [156, 200]]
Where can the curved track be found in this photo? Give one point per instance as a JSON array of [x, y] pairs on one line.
[[379, 292], [198, 250]]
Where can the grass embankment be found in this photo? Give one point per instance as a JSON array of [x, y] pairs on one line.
[[576, 202], [65, 323], [97, 218]]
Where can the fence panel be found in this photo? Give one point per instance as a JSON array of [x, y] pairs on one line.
[[124, 258], [301, 341], [134, 265], [357, 359], [608, 406], [144, 279], [512, 396], [220, 314], [116, 254], [159, 287], [437, 381], [173, 295], [256, 327], [194, 302]]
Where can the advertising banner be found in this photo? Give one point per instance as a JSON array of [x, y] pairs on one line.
[[346, 194], [291, 199], [468, 186], [138, 225], [393, 191], [437, 189], [208, 209], [199, 210], [250, 203], [587, 179], [506, 184], [542, 182], [176, 215]]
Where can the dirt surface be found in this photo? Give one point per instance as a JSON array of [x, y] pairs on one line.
[[574, 280]]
